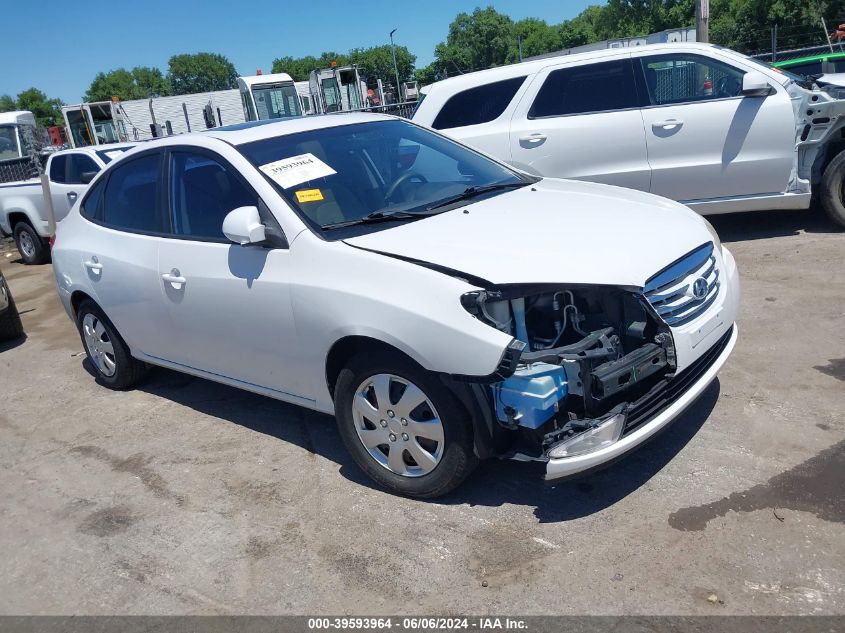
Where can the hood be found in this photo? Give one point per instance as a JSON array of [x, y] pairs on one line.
[[556, 231]]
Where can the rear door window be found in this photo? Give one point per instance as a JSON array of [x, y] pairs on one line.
[[203, 191], [481, 104], [131, 196], [584, 89]]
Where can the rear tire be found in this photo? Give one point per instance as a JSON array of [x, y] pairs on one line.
[[833, 189], [10, 321], [419, 446], [30, 245], [107, 351]]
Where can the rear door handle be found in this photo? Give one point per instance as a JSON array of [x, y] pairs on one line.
[[71, 197], [532, 140], [175, 279], [93, 264], [668, 124]]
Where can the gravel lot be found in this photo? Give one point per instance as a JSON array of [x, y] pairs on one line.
[[184, 496]]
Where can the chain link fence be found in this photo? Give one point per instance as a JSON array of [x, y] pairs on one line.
[[29, 166]]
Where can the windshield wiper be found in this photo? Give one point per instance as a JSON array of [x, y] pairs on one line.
[[472, 192], [372, 218]]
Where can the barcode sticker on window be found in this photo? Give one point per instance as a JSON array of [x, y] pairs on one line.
[[295, 170]]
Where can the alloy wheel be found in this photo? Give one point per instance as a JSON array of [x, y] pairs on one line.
[[27, 244], [398, 425]]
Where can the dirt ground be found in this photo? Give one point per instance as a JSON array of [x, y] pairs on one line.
[[184, 496]]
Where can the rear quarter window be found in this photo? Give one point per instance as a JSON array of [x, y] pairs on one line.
[[481, 104], [91, 206]]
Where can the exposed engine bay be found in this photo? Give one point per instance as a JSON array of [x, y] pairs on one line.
[[587, 353]]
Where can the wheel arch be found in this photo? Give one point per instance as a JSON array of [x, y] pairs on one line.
[[469, 398], [76, 299]]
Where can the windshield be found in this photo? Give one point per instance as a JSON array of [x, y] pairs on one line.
[[340, 175], [793, 76], [276, 101]]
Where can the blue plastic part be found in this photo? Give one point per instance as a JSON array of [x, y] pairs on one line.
[[533, 392]]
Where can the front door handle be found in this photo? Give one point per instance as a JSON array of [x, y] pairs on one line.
[[175, 279], [532, 140], [93, 264], [668, 124], [71, 197]]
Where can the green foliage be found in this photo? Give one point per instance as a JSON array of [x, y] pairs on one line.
[[486, 38], [47, 111], [7, 104], [375, 62], [140, 83], [201, 72]]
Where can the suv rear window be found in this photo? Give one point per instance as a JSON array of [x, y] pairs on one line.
[[477, 105], [588, 88]]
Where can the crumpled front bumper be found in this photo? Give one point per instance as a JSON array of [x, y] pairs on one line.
[[564, 467]]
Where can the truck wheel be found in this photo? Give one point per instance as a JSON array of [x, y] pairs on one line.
[[402, 426], [30, 245], [833, 189], [115, 366], [10, 321]]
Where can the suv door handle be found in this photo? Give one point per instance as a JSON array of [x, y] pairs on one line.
[[175, 279], [93, 264], [668, 124], [71, 197], [532, 140]]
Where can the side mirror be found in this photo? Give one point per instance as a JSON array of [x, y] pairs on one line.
[[87, 176], [243, 226], [755, 84]]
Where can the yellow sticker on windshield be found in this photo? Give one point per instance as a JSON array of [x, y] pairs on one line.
[[309, 195]]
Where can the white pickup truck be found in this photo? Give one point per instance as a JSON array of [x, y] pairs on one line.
[[700, 124], [23, 212]]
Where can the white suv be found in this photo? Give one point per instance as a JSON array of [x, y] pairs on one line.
[[442, 305], [696, 123]]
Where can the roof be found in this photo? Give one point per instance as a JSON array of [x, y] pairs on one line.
[[257, 130], [17, 117], [251, 80], [457, 82]]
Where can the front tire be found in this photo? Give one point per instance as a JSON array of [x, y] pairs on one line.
[[402, 426], [115, 366], [30, 245], [833, 189]]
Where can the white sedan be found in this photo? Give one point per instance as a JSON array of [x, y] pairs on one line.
[[445, 307]]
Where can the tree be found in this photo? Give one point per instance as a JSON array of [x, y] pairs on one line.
[[7, 104], [478, 40], [201, 72], [377, 62], [140, 83], [47, 111]]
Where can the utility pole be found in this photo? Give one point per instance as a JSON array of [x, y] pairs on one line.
[[519, 44], [702, 20], [395, 68]]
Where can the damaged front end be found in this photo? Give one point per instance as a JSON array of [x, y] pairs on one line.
[[583, 355]]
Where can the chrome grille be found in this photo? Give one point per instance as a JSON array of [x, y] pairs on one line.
[[671, 291]]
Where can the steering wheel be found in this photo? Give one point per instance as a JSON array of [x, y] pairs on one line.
[[402, 179]]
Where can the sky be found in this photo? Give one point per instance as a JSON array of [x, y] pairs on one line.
[[60, 47]]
